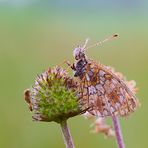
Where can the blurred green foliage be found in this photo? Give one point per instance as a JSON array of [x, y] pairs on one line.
[[37, 35]]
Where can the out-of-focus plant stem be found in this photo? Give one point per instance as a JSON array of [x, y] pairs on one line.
[[118, 132]]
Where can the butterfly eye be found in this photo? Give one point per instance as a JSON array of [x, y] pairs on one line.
[[76, 57], [77, 53]]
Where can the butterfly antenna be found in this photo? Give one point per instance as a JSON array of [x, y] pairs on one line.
[[86, 41], [101, 42]]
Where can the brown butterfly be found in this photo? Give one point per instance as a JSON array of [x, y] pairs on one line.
[[100, 88]]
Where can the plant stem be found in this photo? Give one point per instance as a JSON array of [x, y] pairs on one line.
[[118, 132], [66, 135]]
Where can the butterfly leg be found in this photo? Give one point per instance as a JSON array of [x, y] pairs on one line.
[[72, 66]]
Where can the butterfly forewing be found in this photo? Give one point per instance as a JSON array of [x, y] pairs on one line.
[[105, 92]]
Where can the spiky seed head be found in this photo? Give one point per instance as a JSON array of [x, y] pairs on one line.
[[54, 96]]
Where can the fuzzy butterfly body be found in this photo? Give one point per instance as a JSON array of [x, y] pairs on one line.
[[101, 89]]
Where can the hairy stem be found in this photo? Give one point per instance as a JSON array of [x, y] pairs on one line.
[[118, 132], [66, 135]]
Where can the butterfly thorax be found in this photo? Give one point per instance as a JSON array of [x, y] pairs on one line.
[[80, 68]]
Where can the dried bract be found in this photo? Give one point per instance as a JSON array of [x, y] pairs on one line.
[[99, 125]]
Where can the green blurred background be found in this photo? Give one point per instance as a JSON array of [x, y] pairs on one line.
[[36, 34]]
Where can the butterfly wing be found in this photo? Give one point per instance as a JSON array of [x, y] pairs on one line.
[[105, 92]]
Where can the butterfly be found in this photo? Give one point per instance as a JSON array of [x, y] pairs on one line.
[[101, 89]]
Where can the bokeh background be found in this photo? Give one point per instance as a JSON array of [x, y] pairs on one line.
[[36, 34]]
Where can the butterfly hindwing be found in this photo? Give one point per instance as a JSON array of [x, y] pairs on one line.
[[105, 92]]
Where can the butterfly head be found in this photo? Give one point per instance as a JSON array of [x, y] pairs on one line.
[[79, 53]]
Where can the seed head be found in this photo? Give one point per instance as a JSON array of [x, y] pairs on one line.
[[54, 96]]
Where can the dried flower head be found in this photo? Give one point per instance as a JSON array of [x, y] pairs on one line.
[[100, 126], [54, 96]]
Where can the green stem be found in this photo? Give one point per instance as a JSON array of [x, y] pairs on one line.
[[66, 135]]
